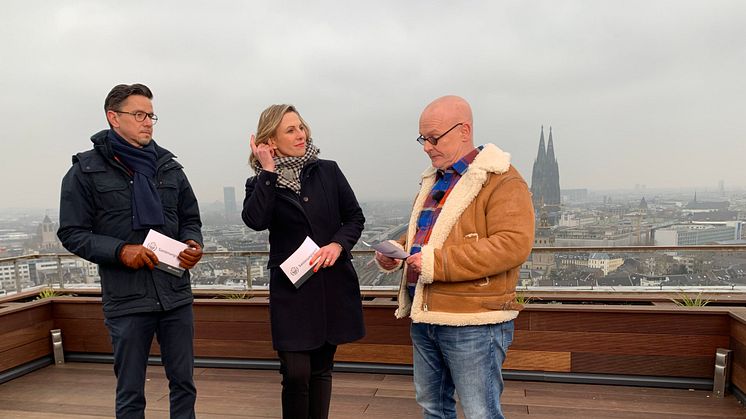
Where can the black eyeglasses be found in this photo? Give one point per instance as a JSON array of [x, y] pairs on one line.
[[140, 116], [434, 140]]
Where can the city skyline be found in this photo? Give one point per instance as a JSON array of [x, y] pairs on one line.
[[637, 93], [216, 201], [614, 221]]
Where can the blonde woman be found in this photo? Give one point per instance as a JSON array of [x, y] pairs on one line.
[[295, 194]]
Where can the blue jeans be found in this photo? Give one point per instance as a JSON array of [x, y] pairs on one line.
[[467, 359], [131, 337]]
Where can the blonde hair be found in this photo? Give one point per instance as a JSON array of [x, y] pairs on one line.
[[269, 121]]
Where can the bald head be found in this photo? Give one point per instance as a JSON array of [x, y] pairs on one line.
[[448, 108], [448, 119]]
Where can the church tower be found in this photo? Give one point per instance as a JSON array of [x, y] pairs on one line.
[[48, 241], [545, 188], [552, 196], [537, 174], [544, 237]]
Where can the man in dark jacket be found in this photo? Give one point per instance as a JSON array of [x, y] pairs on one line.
[[111, 197]]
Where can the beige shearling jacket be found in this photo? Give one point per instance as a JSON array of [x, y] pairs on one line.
[[483, 234]]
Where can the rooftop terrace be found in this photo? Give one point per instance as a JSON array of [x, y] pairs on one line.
[[576, 353]]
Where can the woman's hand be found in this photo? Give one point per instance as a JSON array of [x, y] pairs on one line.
[[326, 256], [264, 153]]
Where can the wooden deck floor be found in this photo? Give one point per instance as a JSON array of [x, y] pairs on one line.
[[78, 390]]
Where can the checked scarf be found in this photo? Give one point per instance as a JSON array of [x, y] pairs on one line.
[[288, 168]]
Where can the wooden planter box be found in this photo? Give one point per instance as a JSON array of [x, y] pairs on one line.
[[663, 341]]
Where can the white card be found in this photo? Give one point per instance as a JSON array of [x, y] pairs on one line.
[[389, 249], [297, 267], [167, 250]]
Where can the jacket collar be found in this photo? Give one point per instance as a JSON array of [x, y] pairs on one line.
[[491, 159]]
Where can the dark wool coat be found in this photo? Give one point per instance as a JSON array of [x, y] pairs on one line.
[[327, 307]]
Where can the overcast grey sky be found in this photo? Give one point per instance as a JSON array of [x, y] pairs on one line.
[[638, 92]]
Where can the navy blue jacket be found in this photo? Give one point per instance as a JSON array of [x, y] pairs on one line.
[[327, 307], [96, 221]]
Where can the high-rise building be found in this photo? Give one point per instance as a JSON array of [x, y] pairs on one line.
[[545, 187], [229, 199]]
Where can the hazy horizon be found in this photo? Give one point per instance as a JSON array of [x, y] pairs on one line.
[[632, 194], [637, 93]]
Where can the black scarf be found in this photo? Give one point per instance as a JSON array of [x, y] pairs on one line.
[[147, 209]]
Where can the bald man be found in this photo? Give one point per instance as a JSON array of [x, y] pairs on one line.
[[471, 228]]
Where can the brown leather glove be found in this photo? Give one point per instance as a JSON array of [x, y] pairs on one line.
[[136, 256], [191, 255]]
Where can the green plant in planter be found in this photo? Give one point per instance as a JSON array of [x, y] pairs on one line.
[[237, 296], [687, 301], [522, 298], [47, 293]]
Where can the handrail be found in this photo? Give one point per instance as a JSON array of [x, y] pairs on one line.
[[538, 249], [730, 248]]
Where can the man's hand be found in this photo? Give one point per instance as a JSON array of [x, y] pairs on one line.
[[415, 262], [385, 261], [136, 256], [191, 255]]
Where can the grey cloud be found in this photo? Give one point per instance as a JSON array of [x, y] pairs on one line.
[[638, 92]]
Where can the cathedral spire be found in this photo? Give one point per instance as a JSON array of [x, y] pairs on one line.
[[537, 175], [545, 176], [550, 148], [541, 155]]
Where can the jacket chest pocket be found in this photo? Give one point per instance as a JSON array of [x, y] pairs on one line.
[[113, 193], [169, 192]]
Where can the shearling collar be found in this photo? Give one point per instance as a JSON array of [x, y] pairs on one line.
[[490, 159]]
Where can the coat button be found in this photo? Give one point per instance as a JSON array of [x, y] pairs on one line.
[[266, 182], [305, 199]]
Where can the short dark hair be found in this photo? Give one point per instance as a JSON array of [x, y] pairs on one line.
[[121, 92]]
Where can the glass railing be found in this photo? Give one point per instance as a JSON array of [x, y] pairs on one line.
[[642, 268], [710, 267]]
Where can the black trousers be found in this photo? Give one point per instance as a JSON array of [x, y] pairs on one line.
[[131, 337], [307, 382]]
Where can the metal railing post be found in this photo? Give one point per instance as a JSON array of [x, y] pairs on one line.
[[722, 372], [249, 279], [57, 350], [59, 272], [18, 277]]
